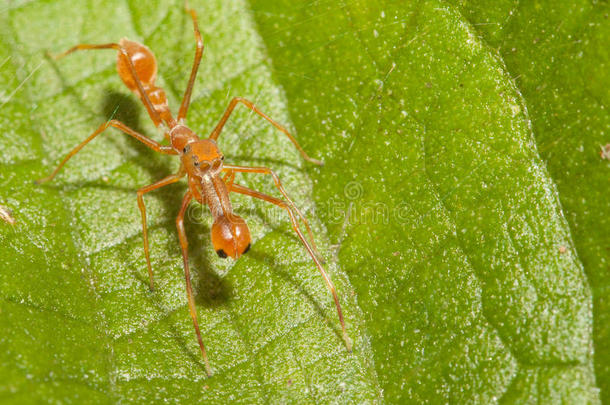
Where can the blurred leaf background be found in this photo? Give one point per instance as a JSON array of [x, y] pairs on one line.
[[462, 208]]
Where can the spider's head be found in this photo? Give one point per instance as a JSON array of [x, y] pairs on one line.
[[202, 157]]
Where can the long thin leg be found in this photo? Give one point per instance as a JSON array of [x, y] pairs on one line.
[[161, 183], [84, 47], [252, 193], [229, 178], [154, 145], [186, 100], [278, 184], [216, 132], [187, 275]]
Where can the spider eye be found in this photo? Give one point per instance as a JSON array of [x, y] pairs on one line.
[[196, 163], [222, 158], [186, 149]]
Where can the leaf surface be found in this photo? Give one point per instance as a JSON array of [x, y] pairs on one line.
[[558, 53], [449, 225], [79, 320], [442, 227]]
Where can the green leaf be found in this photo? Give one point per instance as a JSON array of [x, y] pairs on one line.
[[453, 239], [78, 320], [561, 62], [443, 230]]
